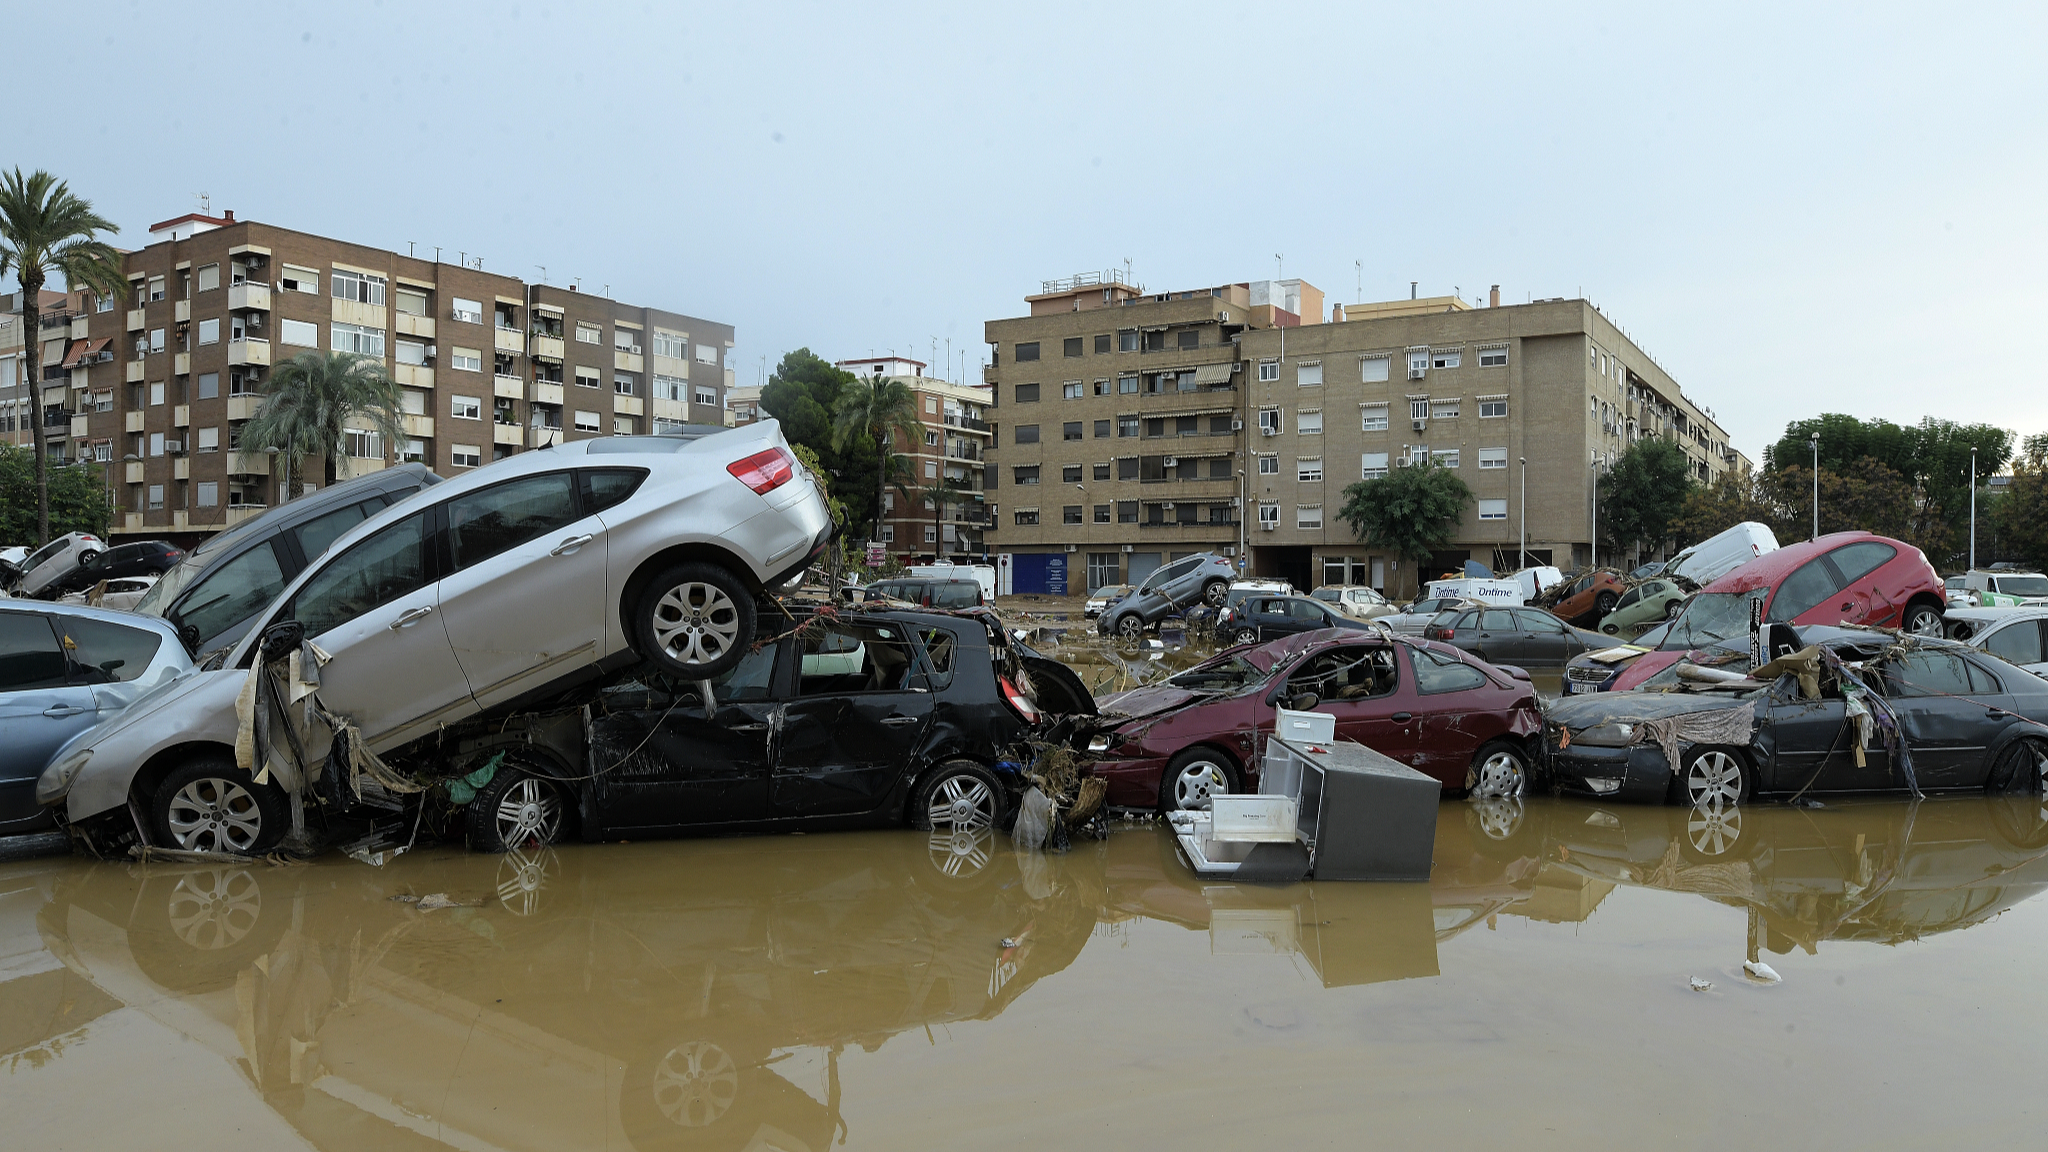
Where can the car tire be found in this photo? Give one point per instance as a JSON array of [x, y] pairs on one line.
[[1500, 770], [1244, 636], [2019, 767], [1129, 626], [695, 620], [1672, 608], [87, 557], [960, 796], [1921, 620], [1603, 604], [1192, 777], [519, 808], [1712, 775], [211, 805], [1214, 591]]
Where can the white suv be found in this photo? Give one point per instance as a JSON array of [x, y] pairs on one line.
[[504, 585]]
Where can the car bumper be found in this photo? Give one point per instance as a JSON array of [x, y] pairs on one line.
[[1132, 783], [1636, 774]]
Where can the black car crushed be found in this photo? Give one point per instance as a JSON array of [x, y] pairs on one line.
[[1838, 710]]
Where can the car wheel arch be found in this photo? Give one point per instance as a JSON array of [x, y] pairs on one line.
[[142, 787], [667, 558], [1924, 600]]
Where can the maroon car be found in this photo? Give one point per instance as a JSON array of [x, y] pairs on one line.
[[1425, 704]]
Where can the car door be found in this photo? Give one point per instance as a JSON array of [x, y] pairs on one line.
[[1811, 749], [658, 762], [1858, 599], [524, 601], [1361, 687], [1805, 596], [1443, 698], [373, 609], [1549, 642], [857, 714], [1497, 641], [1941, 715], [41, 706]]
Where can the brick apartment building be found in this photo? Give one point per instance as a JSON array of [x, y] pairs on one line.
[[1137, 428], [946, 458], [156, 386]]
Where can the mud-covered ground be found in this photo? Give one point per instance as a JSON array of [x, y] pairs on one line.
[[887, 990]]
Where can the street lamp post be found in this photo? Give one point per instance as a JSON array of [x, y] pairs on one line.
[[1522, 521], [1816, 485], [1973, 509]]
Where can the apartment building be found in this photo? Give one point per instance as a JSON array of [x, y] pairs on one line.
[[947, 517], [50, 324], [1529, 403], [1250, 457], [1121, 440], [157, 386]]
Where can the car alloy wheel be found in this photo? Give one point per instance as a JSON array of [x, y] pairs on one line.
[[1129, 626], [1245, 635], [696, 623], [1922, 621], [961, 804], [1672, 608], [1713, 831], [211, 814], [1193, 782], [694, 1084], [1498, 773], [1713, 779], [528, 814], [1213, 593]]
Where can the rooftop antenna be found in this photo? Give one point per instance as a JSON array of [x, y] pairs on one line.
[[408, 250], [1359, 296], [543, 272], [205, 203], [1279, 266], [437, 253], [1127, 271]]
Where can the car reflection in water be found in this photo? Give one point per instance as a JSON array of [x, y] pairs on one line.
[[700, 995]]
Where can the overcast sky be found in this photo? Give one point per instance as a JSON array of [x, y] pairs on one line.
[[1834, 210]]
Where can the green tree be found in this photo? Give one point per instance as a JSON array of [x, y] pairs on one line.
[[2021, 515], [876, 407], [1642, 494], [307, 402], [1411, 512], [800, 394], [1731, 500], [1943, 449], [1845, 439], [78, 500], [46, 231]]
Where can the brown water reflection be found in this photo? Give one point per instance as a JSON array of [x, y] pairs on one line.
[[709, 994]]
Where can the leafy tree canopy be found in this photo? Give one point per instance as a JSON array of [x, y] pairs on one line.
[[801, 394], [1642, 494], [78, 498], [1410, 512]]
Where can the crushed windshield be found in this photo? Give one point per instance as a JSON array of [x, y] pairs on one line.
[[1711, 616], [1228, 675]]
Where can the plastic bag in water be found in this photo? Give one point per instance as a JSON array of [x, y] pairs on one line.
[[1034, 820]]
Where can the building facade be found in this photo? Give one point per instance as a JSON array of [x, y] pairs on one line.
[[50, 325], [945, 515], [1138, 428], [157, 385]]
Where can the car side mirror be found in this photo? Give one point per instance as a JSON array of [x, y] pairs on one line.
[[280, 638], [189, 634], [1305, 701]]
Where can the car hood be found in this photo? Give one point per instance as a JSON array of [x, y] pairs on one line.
[[1577, 713], [1151, 700]]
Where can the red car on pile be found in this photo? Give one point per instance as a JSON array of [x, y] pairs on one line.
[[1427, 705], [1844, 578]]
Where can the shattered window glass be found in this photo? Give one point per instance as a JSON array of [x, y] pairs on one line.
[[1711, 616], [940, 647], [844, 656], [1435, 673]]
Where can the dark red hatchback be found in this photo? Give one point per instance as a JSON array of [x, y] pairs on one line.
[[1425, 704]]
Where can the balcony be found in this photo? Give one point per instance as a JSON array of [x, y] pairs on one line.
[[181, 468], [408, 324], [627, 360], [79, 426], [132, 372], [545, 347], [546, 392], [249, 464], [628, 405], [131, 521], [181, 312], [240, 512], [53, 320], [507, 434], [181, 363], [417, 427], [132, 472], [249, 350], [131, 421], [509, 387], [247, 295], [80, 326], [963, 451], [181, 415], [135, 320], [507, 340], [542, 435], [413, 375], [239, 407], [967, 422]]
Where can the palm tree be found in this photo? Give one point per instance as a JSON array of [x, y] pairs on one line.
[[307, 402], [879, 407], [45, 230]]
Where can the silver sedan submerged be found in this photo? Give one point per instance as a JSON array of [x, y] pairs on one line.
[[508, 583]]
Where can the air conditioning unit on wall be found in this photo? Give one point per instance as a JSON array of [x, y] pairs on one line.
[[1419, 425], [1268, 525]]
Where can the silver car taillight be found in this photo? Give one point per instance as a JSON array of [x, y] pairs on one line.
[[764, 471]]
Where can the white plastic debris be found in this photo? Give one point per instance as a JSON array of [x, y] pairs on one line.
[[1758, 970], [1699, 985], [1034, 820]]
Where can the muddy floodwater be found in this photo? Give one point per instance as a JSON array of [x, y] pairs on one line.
[[1572, 976]]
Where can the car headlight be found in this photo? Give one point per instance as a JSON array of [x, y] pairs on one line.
[[1099, 742], [55, 782], [1607, 736]]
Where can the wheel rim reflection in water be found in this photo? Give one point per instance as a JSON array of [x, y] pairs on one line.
[[1713, 831], [962, 852], [695, 1083], [214, 910]]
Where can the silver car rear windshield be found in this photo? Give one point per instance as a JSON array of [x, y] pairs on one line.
[[673, 440]]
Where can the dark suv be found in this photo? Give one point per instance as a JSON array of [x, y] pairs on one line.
[[212, 594]]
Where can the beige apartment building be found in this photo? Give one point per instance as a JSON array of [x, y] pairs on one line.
[[50, 325], [157, 385], [947, 518], [1136, 428]]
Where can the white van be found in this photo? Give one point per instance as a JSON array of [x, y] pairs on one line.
[[982, 574], [1535, 580], [1720, 554], [1497, 590]]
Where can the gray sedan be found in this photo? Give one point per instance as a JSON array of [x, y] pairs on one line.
[[1523, 637], [63, 669]]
